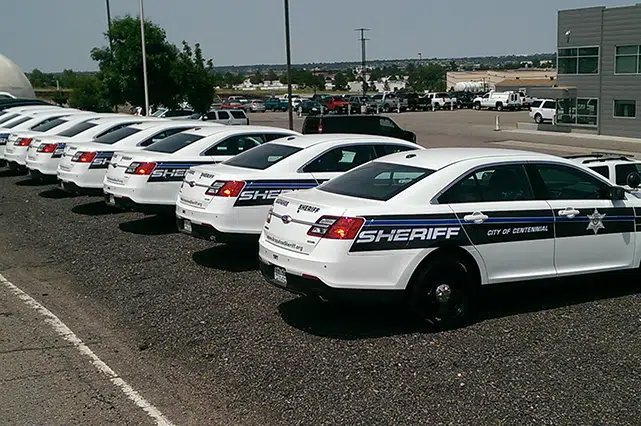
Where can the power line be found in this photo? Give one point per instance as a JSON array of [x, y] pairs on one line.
[[363, 58]]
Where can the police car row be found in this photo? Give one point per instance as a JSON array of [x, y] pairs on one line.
[[342, 214]]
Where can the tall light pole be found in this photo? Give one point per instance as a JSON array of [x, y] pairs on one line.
[[111, 47], [363, 57], [144, 57], [290, 112], [420, 58]]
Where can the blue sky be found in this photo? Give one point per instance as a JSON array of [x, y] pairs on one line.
[[56, 34]]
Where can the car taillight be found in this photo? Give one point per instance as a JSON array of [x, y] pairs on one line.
[[269, 214], [320, 128], [225, 188], [83, 157], [47, 148], [336, 228], [23, 141], [142, 169]]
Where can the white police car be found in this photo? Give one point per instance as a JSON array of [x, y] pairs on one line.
[[44, 157], [229, 201], [433, 225], [613, 166], [83, 166], [149, 180]]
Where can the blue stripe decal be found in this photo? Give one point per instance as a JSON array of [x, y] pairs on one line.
[[175, 166], [281, 185], [499, 220]]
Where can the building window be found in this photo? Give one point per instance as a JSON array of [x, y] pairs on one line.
[[625, 109], [581, 111], [626, 60], [578, 60]]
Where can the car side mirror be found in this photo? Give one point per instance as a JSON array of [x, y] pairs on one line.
[[617, 193], [633, 180]]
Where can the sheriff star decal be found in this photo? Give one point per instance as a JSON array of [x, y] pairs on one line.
[[596, 221]]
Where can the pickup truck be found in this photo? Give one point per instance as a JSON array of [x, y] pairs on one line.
[[338, 104], [440, 100], [276, 104], [389, 102], [499, 101]]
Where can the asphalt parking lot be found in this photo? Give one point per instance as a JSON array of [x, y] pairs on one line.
[[193, 327]]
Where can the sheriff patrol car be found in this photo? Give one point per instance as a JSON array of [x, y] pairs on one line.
[[433, 225], [229, 201], [148, 180], [83, 166], [49, 148]]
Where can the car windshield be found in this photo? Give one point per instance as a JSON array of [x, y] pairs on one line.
[[15, 123], [376, 181], [77, 129], [48, 124], [263, 156], [174, 143], [117, 135]]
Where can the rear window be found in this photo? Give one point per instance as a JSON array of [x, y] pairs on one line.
[[263, 156], [174, 143], [536, 104], [15, 123], [78, 128], [48, 124], [376, 181], [623, 170], [113, 137], [7, 118], [550, 105], [238, 114]]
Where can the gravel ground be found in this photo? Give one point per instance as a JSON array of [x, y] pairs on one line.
[[553, 354]]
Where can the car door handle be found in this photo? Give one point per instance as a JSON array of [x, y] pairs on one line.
[[476, 217], [569, 212]]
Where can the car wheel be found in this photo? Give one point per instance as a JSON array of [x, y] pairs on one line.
[[477, 106], [386, 108], [441, 293], [538, 118], [499, 107], [437, 107]]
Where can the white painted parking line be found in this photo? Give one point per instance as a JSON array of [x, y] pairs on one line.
[[65, 332], [550, 147]]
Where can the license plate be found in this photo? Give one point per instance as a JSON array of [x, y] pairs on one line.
[[280, 276], [187, 225]]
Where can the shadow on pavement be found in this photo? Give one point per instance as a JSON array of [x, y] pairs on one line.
[[11, 173], [33, 182], [355, 321], [231, 258], [150, 225], [96, 208], [56, 194]]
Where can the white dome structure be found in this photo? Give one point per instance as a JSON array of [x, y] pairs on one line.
[[13, 80]]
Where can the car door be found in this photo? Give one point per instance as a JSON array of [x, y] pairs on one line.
[[339, 160], [512, 231], [593, 231], [548, 109]]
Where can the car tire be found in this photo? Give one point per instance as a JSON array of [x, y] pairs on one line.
[[499, 106], [538, 118], [386, 108], [477, 106], [442, 292], [437, 107]]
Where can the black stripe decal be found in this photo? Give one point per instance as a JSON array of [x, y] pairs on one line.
[[596, 222]]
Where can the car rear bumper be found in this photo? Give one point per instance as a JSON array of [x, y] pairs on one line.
[[47, 166], [125, 203], [72, 188], [146, 193], [89, 179], [210, 233], [18, 156], [226, 219]]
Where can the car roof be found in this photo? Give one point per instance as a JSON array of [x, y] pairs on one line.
[[305, 141], [438, 158], [232, 130], [126, 117], [602, 158], [170, 124]]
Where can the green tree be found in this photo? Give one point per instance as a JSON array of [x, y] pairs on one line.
[[67, 79], [257, 78], [429, 77], [89, 94], [196, 77], [271, 75], [340, 81], [40, 79], [60, 98], [121, 69]]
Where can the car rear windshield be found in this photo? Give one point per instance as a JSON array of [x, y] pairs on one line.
[[48, 124], [376, 181], [113, 137], [174, 143], [238, 114], [77, 129], [7, 118], [15, 123], [263, 156]]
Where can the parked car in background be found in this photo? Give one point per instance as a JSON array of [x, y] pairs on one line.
[[232, 105], [387, 102], [359, 124], [440, 100], [542, 110], [172, 113], [464, 99], [323, 98], [312, 107], [276, 104], [613, 166], [234, 117], [499, 101], [255, 105], [6, 95], [338, 105], [358, 101], [526, 100], [409, 100]]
